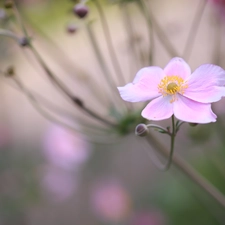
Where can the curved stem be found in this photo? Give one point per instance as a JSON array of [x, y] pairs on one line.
[[193, 31], [171, 144], [109, 42], [102, 63], [156, 161], [97, 138], [158, 128], [159, 32], [62, 87], [8, 33], [191, 173], [150, 29]]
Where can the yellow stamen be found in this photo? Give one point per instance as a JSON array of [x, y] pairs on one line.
[[171, 85]]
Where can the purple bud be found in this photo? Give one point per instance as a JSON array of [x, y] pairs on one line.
[[80, 10], [141, 130], [24, 41], [71, 28]]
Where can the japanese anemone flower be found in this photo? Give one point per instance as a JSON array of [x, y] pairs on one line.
[[175, 90]]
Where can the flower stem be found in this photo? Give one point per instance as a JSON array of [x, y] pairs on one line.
[[194, 28], [66, 91], [150, 29], [159, 32], [109, 43], [8, 33], [191, 173], [173, 134]]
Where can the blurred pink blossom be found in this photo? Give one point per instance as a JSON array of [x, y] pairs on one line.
[[148, 218], [4, 135], [64, 148], [57, 184], [220, 7], [111, 201]]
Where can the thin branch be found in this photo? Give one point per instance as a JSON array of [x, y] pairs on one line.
[[189, 172], [194, 28], [66, 91], [159, 32], [109, 42]]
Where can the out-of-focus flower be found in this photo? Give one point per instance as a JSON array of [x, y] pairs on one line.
[[220, 7], [64, 148], [4, 136], [111, 201], [148, 218], [57, 184], [175, 90]]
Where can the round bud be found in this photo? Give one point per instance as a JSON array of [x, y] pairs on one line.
[[8, 4], [10, 71], [80, 10], [71, 28], [141, 130], [24, 41]]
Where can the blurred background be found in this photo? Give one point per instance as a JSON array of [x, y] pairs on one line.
[[53, 168]]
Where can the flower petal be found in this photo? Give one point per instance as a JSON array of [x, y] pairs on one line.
[[144, 86], [177, 67], [191, 111], [158, 109], [206, 84]]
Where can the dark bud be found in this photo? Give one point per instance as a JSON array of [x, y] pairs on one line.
[[24, 41], [141, 130], [10, 71], [8, 4], [80, 10], [193, 124], [71, 28], [78, 102]]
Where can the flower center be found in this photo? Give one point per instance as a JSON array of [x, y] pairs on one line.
[[171, 85], [172, 88]]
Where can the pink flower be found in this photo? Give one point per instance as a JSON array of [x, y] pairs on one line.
[[220, 7], [58, 185], [148, 218], [111, 201], [175, 90], [64, 148]]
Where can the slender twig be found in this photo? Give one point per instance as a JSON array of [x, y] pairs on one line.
[[9, 33], [102, 63], [159, 32], [216, 57], [44, 113], [66, 91], [58, 83], [143, 8], [158, 128], [128, 25], [109, 42], [194, 27], [158, 164], [191, 173]]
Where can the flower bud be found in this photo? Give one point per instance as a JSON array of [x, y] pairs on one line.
[[10, 71], [71, 28], [24, 41], [80, 10], [8, 4], [141, 130], [78, 102]]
